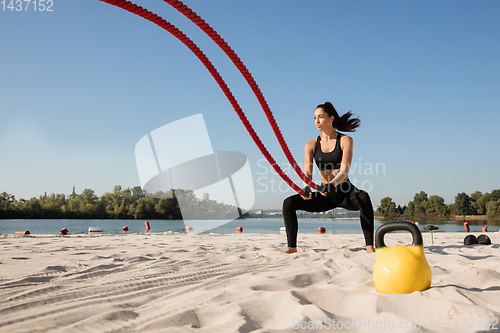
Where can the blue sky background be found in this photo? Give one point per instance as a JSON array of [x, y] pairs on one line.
[[81, 85]]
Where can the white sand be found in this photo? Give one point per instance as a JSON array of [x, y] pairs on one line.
[[237, 283]]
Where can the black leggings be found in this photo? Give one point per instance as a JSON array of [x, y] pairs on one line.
[[344, 195]]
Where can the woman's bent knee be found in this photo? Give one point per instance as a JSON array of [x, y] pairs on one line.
[[290, 202], [364, 196]]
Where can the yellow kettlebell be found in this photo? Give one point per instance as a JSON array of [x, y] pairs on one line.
[[400, 269]]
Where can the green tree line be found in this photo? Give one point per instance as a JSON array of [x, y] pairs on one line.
[[424, 206], [120, 204]]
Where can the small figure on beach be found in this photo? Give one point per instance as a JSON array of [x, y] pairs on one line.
[[332, 151]]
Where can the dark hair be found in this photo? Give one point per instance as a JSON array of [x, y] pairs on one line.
[[344, 123]]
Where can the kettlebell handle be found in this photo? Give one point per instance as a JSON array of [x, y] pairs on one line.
[[397, 226]]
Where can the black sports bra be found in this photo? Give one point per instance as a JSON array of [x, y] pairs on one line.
[[331, 160]]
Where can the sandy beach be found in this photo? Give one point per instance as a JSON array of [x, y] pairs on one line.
[[238, 283]]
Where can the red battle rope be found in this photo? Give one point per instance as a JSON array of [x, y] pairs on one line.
[[196, 19], [162, 23]]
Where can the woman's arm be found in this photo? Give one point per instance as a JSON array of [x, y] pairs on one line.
[[308, 159], [308, 162], [346, 144]]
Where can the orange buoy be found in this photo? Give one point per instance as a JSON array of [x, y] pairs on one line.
[[466, 226], [64, 231], [147, 225], [22, 232], [485, 228], [125, 228], [239, 229], [321, 230]]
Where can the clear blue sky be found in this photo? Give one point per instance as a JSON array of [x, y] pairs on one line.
[[80, 86]]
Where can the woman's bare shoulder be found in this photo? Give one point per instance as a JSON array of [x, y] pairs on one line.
[[309, 147], [346, 138], [346, 142], [311, 143]]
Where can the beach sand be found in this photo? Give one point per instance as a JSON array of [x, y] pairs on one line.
[[238, 283]]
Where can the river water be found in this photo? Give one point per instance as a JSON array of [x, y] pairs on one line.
[[252, 225]]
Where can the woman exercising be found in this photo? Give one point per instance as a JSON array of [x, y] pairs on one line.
[[332, 152]]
